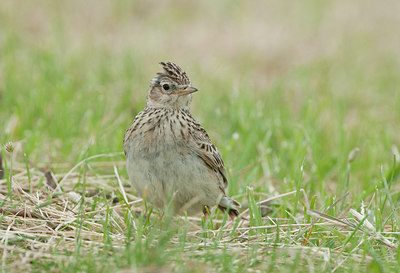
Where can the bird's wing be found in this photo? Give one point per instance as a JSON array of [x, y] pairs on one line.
[[208, 152]]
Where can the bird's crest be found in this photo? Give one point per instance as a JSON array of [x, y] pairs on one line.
[[174, 72]]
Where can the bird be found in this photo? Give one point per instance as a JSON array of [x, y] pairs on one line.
[[170, 158]]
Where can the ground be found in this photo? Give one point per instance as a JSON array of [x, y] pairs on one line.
[[302, 99]]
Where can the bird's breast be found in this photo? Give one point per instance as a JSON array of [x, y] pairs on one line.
[[159, 131]]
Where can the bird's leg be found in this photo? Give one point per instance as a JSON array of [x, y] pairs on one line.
[[161, 217], [206, 212]]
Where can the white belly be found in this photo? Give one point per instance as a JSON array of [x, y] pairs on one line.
[[173, 171]]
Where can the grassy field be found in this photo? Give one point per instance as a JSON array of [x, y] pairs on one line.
[[302, 99]]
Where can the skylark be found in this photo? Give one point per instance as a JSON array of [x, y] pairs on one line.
[[169, 156]]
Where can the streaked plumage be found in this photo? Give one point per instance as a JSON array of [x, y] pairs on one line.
[[169, 155]]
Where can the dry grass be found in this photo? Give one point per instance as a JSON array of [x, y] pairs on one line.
[[48, 213]]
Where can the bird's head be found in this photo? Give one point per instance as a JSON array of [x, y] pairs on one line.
[[170, 88]]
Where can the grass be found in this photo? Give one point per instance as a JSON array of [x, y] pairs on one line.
[[301, 99]]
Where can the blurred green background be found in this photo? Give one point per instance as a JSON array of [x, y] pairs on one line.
[[287, 89]]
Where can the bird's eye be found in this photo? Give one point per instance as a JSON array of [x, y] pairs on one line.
[[165, 86]]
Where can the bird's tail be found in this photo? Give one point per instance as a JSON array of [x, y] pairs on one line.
[[231, 205]]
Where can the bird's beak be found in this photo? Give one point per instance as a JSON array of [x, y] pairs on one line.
[[185, 90]]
